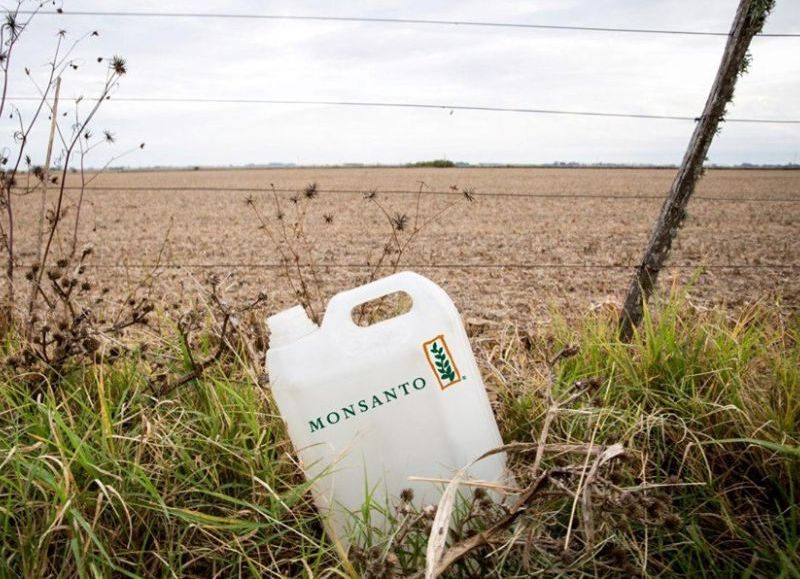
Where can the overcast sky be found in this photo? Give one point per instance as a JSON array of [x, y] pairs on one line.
[[631, 73]]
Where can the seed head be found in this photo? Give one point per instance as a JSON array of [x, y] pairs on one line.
[[399, 221], [311, 190], [14, 27], [118, 65]]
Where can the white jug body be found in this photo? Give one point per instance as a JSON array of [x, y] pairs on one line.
[[368, 407]]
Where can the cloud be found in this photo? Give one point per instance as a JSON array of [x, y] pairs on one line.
[[431, 64]]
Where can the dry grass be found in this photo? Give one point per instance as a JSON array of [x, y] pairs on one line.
[[102, 476]]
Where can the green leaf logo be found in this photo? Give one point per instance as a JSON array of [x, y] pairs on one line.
[[441, 361]]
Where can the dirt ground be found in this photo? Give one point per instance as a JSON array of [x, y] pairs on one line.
[[505, 255]]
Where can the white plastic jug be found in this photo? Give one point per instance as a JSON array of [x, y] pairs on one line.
[[367, 407]]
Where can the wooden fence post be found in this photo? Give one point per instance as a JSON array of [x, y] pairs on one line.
[[749, 19]]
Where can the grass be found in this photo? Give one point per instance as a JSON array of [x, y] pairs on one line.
[[702, 398], [99, 478]]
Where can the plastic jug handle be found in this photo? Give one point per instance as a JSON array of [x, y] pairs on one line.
[[340, 307]]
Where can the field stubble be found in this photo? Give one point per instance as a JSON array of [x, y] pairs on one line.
[[185, 228]]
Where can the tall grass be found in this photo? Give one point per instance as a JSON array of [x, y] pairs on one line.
[[706, 400], [99, 477]]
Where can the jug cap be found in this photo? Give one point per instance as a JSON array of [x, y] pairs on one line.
[[289, 326]]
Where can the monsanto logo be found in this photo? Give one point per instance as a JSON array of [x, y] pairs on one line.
[[441, 362]]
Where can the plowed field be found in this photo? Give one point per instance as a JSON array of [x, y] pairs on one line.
[[530, 239]]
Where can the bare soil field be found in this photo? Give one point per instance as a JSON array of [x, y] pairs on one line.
[[504, 255]]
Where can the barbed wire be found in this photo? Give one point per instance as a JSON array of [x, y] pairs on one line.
[[459, 192], [466, 265], [387, 20], [410, 105]]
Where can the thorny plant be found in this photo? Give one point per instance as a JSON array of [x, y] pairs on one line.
[[234, 333], [292, 240], [579, 508], [57, 321], [293, 236], [403, 231]]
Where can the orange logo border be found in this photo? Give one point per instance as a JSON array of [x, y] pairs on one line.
[[450, 357]]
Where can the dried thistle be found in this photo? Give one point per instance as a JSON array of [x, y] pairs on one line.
[[311, 190], [118, 65], [399, 221], [14, 27]]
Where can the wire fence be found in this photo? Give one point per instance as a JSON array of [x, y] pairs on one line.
[[721, 269], [465, 265], [434, 192], [417, 105], [254, 267], [384, 20]]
